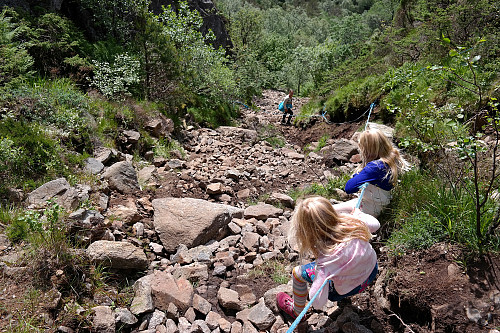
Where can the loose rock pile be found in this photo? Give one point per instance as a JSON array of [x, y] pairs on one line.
[[192, 225]]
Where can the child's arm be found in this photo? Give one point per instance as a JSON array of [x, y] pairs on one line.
[[372, 223], [371, 173]]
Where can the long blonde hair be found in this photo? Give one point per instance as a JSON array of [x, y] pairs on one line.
[[374, 145], [318, 228]]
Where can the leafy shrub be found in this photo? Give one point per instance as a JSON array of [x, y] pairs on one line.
[[37, 154], [118, 78], [419, 231], [205, 68], [54, 44], [212, 112], [15, 62]]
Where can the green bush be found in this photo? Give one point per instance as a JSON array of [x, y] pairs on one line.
[[424, 210], [54, 40], [15, 62], [118, 78], [37, 154], [420, 231], [212, 112]]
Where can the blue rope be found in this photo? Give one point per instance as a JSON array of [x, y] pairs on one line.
[[369, 114], [363, 188], [301, 315]]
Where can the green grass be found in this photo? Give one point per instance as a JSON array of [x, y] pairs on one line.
[[274, 268], [164, 148], [327, 190], [424, 211]]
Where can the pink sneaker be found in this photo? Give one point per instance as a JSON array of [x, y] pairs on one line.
[[285, 303]]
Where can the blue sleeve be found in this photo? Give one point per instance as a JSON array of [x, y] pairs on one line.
[[374, 172]]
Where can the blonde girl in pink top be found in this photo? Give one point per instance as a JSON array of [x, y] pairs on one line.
[[340, 244]]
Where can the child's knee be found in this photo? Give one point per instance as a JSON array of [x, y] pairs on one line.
[[297, 274]]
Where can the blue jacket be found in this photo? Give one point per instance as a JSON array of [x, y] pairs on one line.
[[375, 172]]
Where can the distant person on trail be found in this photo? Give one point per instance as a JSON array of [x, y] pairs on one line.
[[286, 107], [381, 164], [344, 256]]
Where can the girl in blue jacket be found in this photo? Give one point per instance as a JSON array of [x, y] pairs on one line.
[[381, 165]]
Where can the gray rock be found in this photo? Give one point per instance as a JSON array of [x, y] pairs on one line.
[[190, 315], [143, 299], [132, 136], [241, 134], [172, 215], [235, 229], [59, 190], [202, 305], [157, 318], [224, 325], [138, 229], [128, 213], [119, 255], [215, 188], [261, 316], [193, 272], [93, 166], [236, 327], [124, 317], [199, 326], [250, 240], [282, 199], [249, 328], [146, 174], [229, 299], [184, 325], [176, 164], [262, 212], [122, 177], [160, 127], [107, 155], [171, 327], [219, 270], [473, 314], [87, 217], [340, 152], [104, 320], [212, 320], [4, 242]]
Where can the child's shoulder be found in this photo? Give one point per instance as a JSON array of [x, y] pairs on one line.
[[376, 164]]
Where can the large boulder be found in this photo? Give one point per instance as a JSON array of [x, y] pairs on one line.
[[119, 255], [57, 190], [122, 177], [190, 221], [340, 152]]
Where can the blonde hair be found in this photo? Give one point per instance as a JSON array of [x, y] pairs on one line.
[[373, 145], [318, 228]]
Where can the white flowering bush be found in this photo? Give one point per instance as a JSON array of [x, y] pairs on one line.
[[117, 79]]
